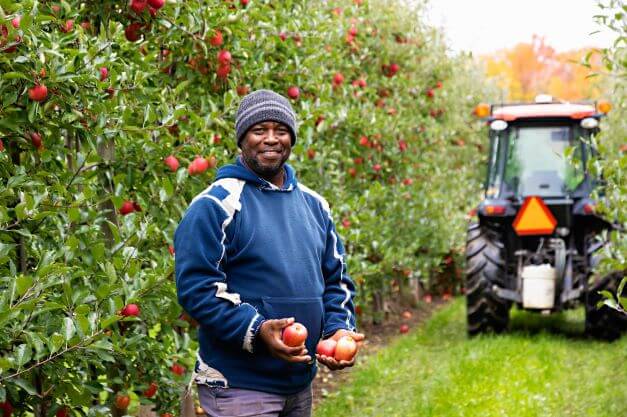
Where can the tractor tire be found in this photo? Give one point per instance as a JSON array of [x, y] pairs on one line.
[[485, 267], [604, 323]]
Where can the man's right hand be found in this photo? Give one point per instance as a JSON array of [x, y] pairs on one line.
[[270, 334]]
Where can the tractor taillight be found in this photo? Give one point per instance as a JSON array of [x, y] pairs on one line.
[[588, 208], [604, 106], [482, 110], [494, 210]]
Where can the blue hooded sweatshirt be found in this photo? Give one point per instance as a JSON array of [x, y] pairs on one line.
[[247, 251]]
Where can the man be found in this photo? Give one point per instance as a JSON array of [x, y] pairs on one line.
[[255, 252]]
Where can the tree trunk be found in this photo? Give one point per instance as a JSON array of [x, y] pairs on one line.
[[188, 409], [106, 150]]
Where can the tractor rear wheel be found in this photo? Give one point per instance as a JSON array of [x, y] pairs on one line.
[[604, 323], [485, 267]]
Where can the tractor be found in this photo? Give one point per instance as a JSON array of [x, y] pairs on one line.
[[536, 238]]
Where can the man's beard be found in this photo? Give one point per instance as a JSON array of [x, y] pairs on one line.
[[265, 171]]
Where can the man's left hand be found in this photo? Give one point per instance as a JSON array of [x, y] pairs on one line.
[[335, 365]]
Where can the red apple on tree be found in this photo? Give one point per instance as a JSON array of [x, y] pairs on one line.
[[127, 208], [171, 249], [223, 71], [338, 79], [35, 138], [293, 92], [217, 39], [294, 335], [172, 163], [345, 349], [138, 6], [132, 31], [15, 22], [326, 347], [68, 26], [63, 412], [1, 145], [177, 369], [122, 401], [130, 310], [38, 92], [156, 4], [7, 409], [311, 153], [151, 390], [224, 57], [406, 314], [404, 328], [104, 73]]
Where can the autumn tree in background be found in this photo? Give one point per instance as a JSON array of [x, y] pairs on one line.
[[528, 69]]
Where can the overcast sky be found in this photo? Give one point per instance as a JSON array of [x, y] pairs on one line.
[[484, 26]]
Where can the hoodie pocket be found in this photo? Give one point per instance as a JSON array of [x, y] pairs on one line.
[[308, 311]]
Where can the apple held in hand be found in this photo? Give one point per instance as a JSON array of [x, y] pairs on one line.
[[326, 348], [294, 335], [345, 349]]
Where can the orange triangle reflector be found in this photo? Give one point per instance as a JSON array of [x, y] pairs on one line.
[[534, 218]]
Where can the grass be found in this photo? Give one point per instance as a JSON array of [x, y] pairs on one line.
[[543, 366]]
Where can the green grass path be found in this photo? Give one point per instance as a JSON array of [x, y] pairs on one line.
[[542, 367]]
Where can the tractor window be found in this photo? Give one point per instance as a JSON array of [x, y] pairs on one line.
[[494, 171], [536, 164]]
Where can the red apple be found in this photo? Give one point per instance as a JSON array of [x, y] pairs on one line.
[[406, 314], [7, 409], [242, 90], [151, 390], [346, 223], [352, 31], [63, 412], [127, 208], [132, 31], [402, 145], [293, 92], [430, 93], [172, 163], [223, 71], [345, 349], [359, 160], [38, 92], [294, 335], [224, 57], [68, 26], [311, 153], [326, 347], [363, 141], [217, 139], [122, 401], [338, 79], [177, 369], [404, 328], [394, 68], [35, 138], [138, 6], [104, 73], [198, 166], [156, 4], [352, 172], [171, 250], [283, 36], [217, 39], [244, 2], [438, 84], [1, 145], [427, 298], [16, 21], [130, 310], [376, 167], [408, 181], [446, 296]]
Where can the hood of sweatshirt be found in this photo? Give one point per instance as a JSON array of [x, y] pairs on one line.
[[240, 171]]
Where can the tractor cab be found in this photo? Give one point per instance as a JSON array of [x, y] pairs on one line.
[[536, 238]]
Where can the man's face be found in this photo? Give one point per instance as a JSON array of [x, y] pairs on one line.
[[265, 148]]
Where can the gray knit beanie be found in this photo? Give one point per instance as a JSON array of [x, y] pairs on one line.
[[262, 106]]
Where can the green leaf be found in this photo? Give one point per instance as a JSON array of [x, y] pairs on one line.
[[23, 283], [68, 328], [55, 342], [108, 321], [22, 354], [25, 385]]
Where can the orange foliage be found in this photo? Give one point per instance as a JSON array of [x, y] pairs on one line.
[[533, 68]]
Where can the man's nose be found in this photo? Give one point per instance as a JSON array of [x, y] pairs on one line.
[[271, 136]]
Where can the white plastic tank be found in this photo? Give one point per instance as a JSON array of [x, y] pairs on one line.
[[538, 286]]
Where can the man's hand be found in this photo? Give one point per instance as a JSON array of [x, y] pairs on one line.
[[270, 334], [330, 362]]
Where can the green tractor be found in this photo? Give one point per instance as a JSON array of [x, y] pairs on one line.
[[537, 239]]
